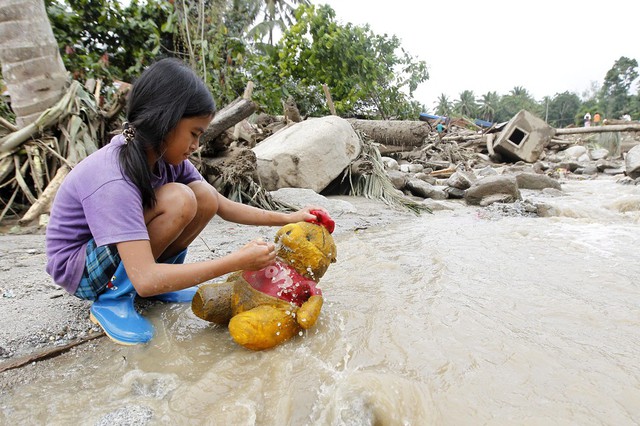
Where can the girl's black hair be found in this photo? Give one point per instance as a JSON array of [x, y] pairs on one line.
[[165, 92]]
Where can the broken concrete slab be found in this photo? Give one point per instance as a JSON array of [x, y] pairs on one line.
[[523, 137]]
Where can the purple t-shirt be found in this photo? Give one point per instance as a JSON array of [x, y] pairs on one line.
[[96, 200]]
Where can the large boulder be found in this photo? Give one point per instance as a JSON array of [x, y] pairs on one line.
[[536, 181], [309, 154], [492, 189], [632, 162]]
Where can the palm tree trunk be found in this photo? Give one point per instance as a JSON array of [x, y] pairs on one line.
[[31, 64]]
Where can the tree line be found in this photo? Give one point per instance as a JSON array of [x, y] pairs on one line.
[[613, 99]]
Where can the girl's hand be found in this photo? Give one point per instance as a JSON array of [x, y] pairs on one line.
[[305, 215], [256, 255]]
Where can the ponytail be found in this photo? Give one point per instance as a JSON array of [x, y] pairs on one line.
[[133, 160], [166, 92]]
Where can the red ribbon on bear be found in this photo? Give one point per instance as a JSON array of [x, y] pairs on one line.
[[323, 218]]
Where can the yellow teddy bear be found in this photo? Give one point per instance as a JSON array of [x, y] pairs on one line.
[[267, 307]]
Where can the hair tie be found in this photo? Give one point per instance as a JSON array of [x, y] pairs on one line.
[[129, 133]]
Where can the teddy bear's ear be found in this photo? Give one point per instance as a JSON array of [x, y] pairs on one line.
[[323, 218]]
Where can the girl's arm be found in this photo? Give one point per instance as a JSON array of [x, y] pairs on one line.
[[150, 278], [247, 215]]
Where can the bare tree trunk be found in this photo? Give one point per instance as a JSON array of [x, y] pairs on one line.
[[629, 127], [393, 132], [31, 64], [226, 118]]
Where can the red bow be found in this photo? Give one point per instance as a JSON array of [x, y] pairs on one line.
[[323, 218]]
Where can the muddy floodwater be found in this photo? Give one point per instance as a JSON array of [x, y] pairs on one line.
[[463, 317]]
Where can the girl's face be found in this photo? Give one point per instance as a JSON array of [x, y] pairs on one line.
[[184, 139]]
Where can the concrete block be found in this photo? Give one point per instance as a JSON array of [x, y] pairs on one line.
[[523, 137]]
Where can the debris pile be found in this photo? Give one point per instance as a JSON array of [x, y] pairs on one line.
[[246, 154]]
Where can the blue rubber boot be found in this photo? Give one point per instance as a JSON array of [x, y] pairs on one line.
[[113, 310], [180, 296]]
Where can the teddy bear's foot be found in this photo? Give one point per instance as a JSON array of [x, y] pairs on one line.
[[212, 302], [263, 327]]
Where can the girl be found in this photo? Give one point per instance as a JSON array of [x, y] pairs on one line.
[[124, 216]]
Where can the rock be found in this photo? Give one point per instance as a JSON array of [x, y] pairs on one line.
[[461, 180], [603, 165], [632, 162], [599, 154], [540, 167], [614, 171], [574, 152], [496, 187], [497, 198], [438, 205], [390, 163], [536, 181], [309, 154], [398, 179], [426, 177], [454, 192], [425, 190], [416, 168], [590, 169], [487, 171]]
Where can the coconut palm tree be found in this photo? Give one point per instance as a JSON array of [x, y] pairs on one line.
[[467, 105], [31, 64], [445, 106], [517, 99], [277, 14], [489, 104]]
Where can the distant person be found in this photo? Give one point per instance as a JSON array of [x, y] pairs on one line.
[[124, 216], [626, 117], [587, 120], [440, 130], [596, 119]]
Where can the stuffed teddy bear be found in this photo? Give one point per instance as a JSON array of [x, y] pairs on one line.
[[267, 307]]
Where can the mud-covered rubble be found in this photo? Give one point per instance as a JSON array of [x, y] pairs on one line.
[[472, 178]]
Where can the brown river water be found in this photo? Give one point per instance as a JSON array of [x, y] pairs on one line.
[[464, 317]]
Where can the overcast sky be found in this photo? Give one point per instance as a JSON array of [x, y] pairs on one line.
[[545, 46]]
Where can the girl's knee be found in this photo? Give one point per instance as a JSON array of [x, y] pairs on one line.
[[177, 199], [206, 198]]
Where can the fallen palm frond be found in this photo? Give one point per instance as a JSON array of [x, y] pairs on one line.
[[30, 157], [375, 183]]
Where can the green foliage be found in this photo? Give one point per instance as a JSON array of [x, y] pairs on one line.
[[445, 106], [229, 42], [209, 35], [466, 106], [634, 107], [277, 15], [102, 39], [562, 110], [489, 105], [517, 99], [615, 97], [368, 75]]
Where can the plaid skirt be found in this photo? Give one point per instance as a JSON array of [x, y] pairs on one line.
[[100, 265]]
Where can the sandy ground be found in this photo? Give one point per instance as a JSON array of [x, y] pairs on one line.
[[37, 316]]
